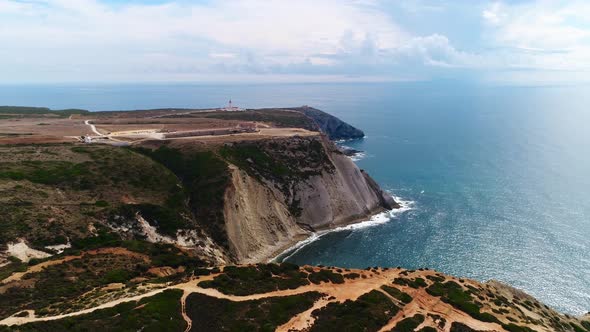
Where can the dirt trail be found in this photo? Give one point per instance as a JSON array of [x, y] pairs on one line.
[[303, 320], [39, 267], [187, 319], [93, 128], [423, 303], [32, 318], [351, 290]]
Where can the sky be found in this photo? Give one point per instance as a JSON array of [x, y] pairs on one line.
[[506, 42]]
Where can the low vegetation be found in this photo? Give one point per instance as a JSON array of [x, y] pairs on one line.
[[49, 194], [212, 314], [15, 265], [323, 275], [261, 278], [24, 111], [204, 177], [278, 118], [398, 294], [368, 313], [414, 283], [160, 312], [452, 293], [60, 288], [408, 324]]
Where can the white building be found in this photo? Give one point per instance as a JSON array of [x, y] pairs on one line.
[[231, 108]]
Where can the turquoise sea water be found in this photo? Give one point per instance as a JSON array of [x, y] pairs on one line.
[[498, 177]]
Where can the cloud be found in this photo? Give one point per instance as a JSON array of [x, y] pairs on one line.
[[75, 39], [436, 50], [222, 55], [541, 35], [492, 15]]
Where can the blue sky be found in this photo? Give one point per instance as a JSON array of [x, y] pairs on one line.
[[519, 42]]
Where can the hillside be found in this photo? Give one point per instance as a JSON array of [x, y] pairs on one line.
[[268, 297], [147, 220]]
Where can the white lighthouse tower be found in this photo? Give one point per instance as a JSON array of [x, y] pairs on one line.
[[230, 107]]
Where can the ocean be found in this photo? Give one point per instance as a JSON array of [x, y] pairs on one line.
[[495, 179]]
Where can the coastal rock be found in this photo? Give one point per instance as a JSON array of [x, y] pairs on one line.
[[330, 125]]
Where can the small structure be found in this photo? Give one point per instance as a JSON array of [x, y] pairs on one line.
[[246, 126], [231, 108]]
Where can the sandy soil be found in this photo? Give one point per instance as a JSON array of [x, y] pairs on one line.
[[23, 252], [128, 126], [352, 289]]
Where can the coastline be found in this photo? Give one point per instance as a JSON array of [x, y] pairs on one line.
[[378, 217]]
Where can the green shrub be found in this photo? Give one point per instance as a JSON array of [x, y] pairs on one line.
[[516, 328], [117, 275], [452, 293], [101, 203], [398, 294], [205, 178], [428, 329], [326, 276], [408, 324], [352, 275], [262, 278], [160, 312], [414, 283], [368, 313], [213, 314]]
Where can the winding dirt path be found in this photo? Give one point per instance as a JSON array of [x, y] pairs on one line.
[[93, 128], [32, 318], [352, 289], [187, 319], [422, 302]]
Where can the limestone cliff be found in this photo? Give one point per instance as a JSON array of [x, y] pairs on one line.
[[317, 187]]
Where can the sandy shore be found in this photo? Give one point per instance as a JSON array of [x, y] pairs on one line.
[[302, 241]]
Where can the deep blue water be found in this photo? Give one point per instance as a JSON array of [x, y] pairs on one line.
[[498, 176]]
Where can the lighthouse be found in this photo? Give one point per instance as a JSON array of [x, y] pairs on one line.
[[231, 107]]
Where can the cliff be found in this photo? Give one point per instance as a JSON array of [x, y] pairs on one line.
[[335, 128], [315, 187], [236, 198]]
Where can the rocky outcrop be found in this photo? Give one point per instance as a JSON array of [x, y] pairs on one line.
[[265, 214], [330, 125]]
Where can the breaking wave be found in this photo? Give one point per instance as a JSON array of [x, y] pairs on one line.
[[377, 219]]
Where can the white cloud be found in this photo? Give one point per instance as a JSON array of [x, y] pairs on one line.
[[493, 14], [76, 38], [222, 55], [436, 50], [542, 35]]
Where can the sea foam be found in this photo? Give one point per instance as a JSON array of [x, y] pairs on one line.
[[377, 219]]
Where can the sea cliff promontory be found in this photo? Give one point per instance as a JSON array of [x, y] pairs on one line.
[[164, 219]]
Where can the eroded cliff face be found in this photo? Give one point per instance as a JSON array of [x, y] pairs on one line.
[[319, 188], [258, 222], [346, 195]]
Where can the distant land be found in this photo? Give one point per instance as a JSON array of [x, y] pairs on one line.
[[165, 220]]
